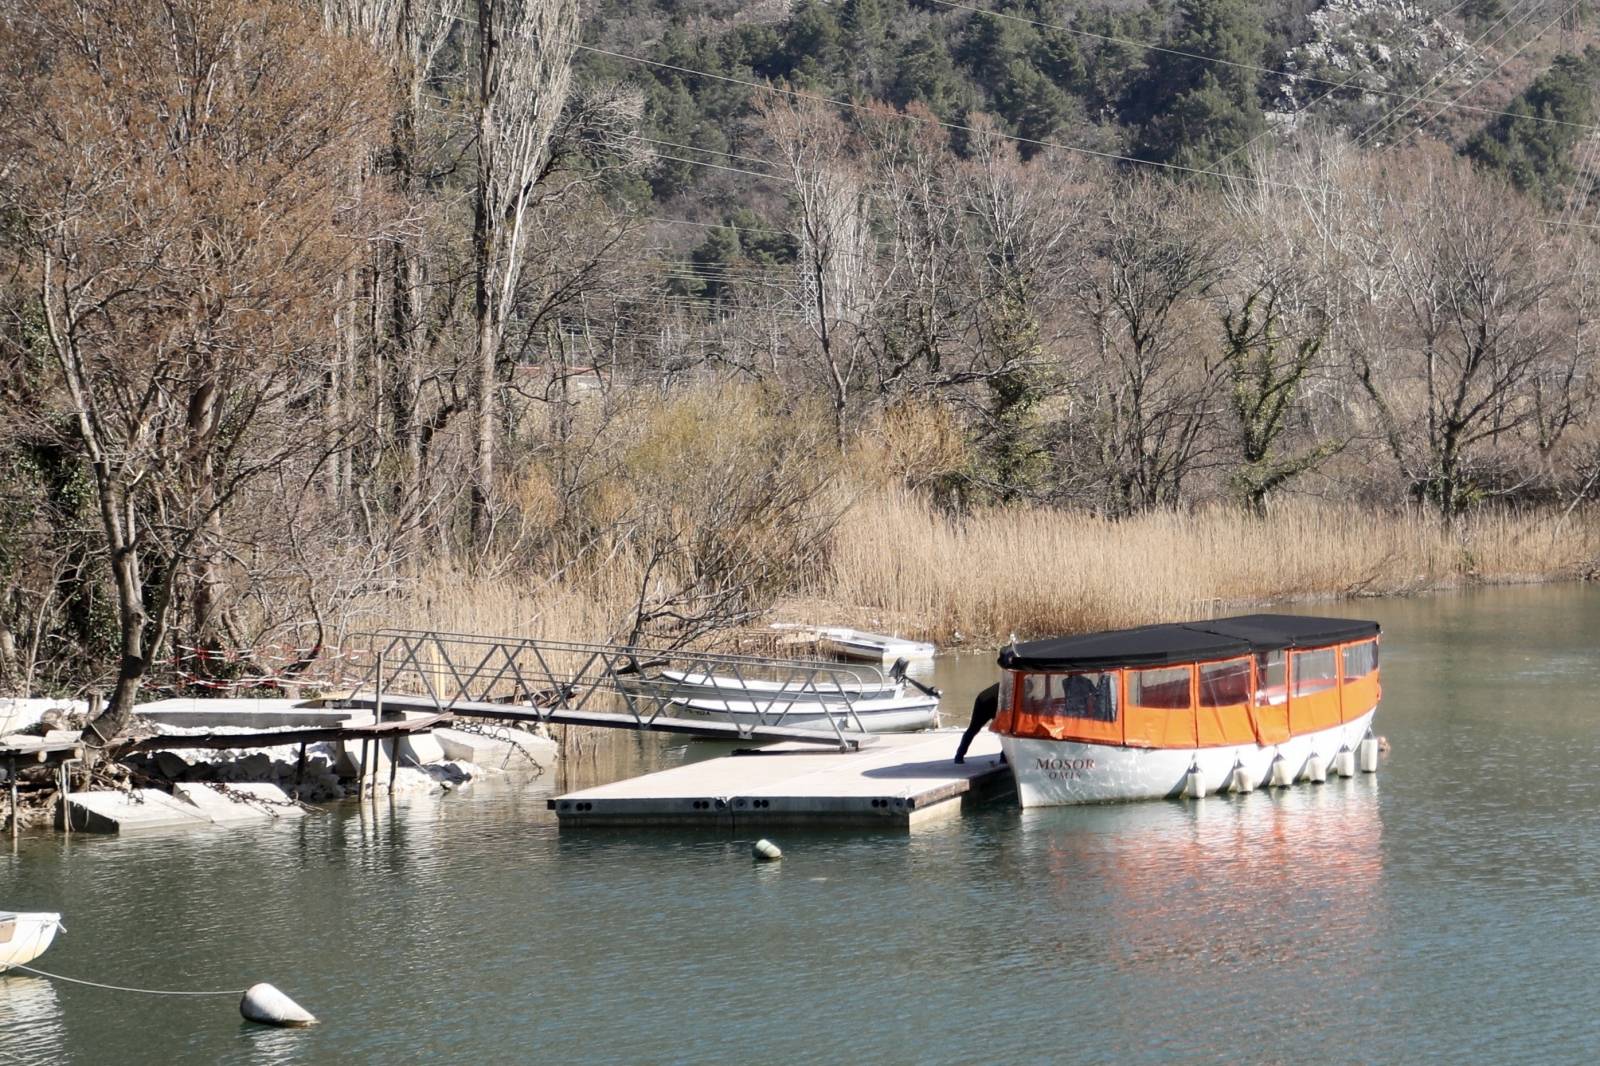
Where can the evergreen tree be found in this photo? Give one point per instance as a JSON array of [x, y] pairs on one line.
[[926, 72], [1537, 155], [1192, 111]]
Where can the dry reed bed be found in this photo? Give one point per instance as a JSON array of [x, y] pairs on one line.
[[898, 562], [1035, 571]]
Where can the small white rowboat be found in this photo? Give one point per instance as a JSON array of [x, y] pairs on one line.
[[722, 686], [871, 647], [25, 936], [906, 714]]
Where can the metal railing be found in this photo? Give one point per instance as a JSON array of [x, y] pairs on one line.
[[549, 677]]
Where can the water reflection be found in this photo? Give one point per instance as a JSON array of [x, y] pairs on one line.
[[31, 1020]]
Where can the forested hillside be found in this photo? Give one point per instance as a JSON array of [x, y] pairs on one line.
[[633, 320]]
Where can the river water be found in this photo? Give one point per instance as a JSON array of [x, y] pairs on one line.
[[1446, 907]]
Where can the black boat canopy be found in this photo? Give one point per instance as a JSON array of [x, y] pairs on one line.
[[1184, 642]]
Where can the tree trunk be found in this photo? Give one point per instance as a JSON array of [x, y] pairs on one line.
[[483, 246]]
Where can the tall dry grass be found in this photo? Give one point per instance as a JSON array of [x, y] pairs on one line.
[[1036, 571]]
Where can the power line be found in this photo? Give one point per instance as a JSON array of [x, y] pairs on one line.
[[1392, 117], [1499, 66]]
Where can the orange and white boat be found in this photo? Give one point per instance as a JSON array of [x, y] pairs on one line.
[[1190, 708]]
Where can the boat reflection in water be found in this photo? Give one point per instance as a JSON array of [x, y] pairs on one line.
[[32, 1026], [1176, 895]]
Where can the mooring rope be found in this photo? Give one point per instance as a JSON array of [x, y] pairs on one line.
[[125, 988]]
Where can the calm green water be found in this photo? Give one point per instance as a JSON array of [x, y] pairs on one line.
[[1445, 909]]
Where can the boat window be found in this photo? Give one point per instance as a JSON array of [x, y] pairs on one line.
[[1360, 659], [1091, 696], [1165, 688], [1270, 687], [1314, 671], [1225, 684]]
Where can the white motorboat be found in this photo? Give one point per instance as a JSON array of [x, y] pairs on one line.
[[24, 936], [904, 714], [818, 690], [871, 647]]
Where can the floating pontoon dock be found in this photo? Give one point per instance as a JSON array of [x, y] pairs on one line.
[[833, 774], [901, 781]]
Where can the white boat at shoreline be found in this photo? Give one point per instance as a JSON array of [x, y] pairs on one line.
[[681, 684], [871, 647], [1228, 704], [24, 936], [903, 714]]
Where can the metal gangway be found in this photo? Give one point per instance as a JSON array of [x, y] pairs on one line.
[[553, 682]]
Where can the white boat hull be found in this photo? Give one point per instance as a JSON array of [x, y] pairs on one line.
[[25, 936], [872, 648], [905, 715], [1052, 773], [719, 686]]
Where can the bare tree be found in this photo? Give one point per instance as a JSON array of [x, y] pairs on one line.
[[1148, 391], [524, 65], [838, 283], [182, 169], [1475, 304]]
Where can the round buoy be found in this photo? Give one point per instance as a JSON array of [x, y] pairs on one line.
[[1316, 769], [264, 1004], [1194, 782], [1281, 776], [1367, 753], [766, 851]]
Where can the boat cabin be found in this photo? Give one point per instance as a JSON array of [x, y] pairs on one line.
[[1253, 679]]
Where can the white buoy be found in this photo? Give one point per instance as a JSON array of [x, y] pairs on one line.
[[1316, 769], [766, 851], [1344, 763], [1367, 753], [1194, 782], [265, 1004], [1281, 776]]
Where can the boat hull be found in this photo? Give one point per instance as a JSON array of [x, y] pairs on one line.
[[676, 685], [888, 716], [1053, 773], [872, 648], [24, 937]]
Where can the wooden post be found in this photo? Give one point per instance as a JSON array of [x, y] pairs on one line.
[[16, 811], [377, 692], [394, 763], [299, 770]]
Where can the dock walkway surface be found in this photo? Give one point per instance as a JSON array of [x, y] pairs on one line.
[[902, 780]]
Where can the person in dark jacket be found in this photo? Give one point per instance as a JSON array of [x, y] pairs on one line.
[[983, 712]]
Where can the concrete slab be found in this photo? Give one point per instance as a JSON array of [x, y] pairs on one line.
[[421, 749], [247, 801], [510, 750], [240, 713], [903, 780], [140, 810]]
